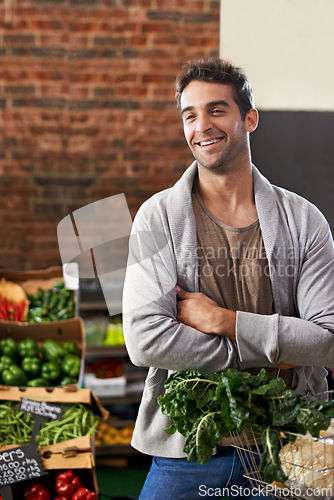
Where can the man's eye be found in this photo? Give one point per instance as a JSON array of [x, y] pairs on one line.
[[189, 118]]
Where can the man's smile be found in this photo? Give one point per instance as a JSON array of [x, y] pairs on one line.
[[209, 142]]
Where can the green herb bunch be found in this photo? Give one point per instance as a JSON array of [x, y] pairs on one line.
[[204, 407]]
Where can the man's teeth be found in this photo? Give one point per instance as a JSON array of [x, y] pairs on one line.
[[206, 143]]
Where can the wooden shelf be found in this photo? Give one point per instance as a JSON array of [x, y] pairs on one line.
[[119, 422], [121, 400], [106, 351], [134, 388], [136, 376], [114, 449], [93, 306]]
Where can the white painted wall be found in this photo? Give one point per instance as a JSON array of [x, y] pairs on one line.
[[286, 48]]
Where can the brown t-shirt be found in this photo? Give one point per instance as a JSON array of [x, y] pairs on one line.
[[232, 266]]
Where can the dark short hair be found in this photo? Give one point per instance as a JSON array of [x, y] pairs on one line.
[[217, 71]]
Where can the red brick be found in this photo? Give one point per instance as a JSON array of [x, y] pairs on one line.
[[47, 24], [138, 41], [54, 38], [158, 78], [42, 76], [122, 27], [83, 27], [78, 40], [155, 27], [25, 11]]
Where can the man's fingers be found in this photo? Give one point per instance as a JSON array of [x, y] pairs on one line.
[[182, 294]]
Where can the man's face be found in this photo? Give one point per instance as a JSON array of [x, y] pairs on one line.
[[212, 125]]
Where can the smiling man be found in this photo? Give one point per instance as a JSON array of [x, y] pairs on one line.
[[226, 271], [214, 129]]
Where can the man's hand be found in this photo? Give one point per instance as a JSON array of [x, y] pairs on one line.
[[200, 312], [285, 366]]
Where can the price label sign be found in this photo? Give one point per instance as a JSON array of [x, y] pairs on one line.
[[19, 464], [41, 409]]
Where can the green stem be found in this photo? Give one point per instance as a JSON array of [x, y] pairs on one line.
[[269, 444], [202, 421], [197, 380]]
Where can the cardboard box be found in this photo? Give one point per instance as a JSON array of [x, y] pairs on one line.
[[53, 394], [73, 454], [62, 330], [86, 474], [67, 394], [67, 329], [78, 453], [31, 281]]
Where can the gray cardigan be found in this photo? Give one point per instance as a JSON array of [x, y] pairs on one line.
[[300, 252]]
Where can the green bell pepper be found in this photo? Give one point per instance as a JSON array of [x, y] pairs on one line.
[[38, 382], [28, 348], [31, 366], [50, 371], [5, 362], [14, 375], [8, 348], [52, 350], [71, 365], [68, 380], [71, 347]]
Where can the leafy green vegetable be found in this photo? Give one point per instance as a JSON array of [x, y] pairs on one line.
[[314, 416], [284, 408], [204, 436], [204, 407], [270, 463], [188, 398]]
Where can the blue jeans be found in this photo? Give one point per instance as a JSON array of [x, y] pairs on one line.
[[178, 479]]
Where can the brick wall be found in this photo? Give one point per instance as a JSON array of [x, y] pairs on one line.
[[87, 109]]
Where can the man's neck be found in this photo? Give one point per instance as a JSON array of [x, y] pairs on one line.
[[229, 197]]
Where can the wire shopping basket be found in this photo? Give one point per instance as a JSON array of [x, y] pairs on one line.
[[307, 462]]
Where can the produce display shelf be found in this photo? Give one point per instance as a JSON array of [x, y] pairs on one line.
[[93, 306], [114, 450], [106, 350], [117, 400]]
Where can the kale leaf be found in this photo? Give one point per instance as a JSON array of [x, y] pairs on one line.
[[189, 396], [203, 437], [270, 463]]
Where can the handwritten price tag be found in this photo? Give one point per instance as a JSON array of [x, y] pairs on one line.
[[19, 464], [41, 409]]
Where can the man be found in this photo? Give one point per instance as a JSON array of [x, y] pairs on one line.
[[225, 271]]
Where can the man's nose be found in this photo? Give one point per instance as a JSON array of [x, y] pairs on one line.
[[203, 124]]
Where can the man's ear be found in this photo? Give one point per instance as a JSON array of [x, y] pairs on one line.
[[252, 120]]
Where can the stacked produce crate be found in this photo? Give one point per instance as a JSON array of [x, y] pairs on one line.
[[47, 421]]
